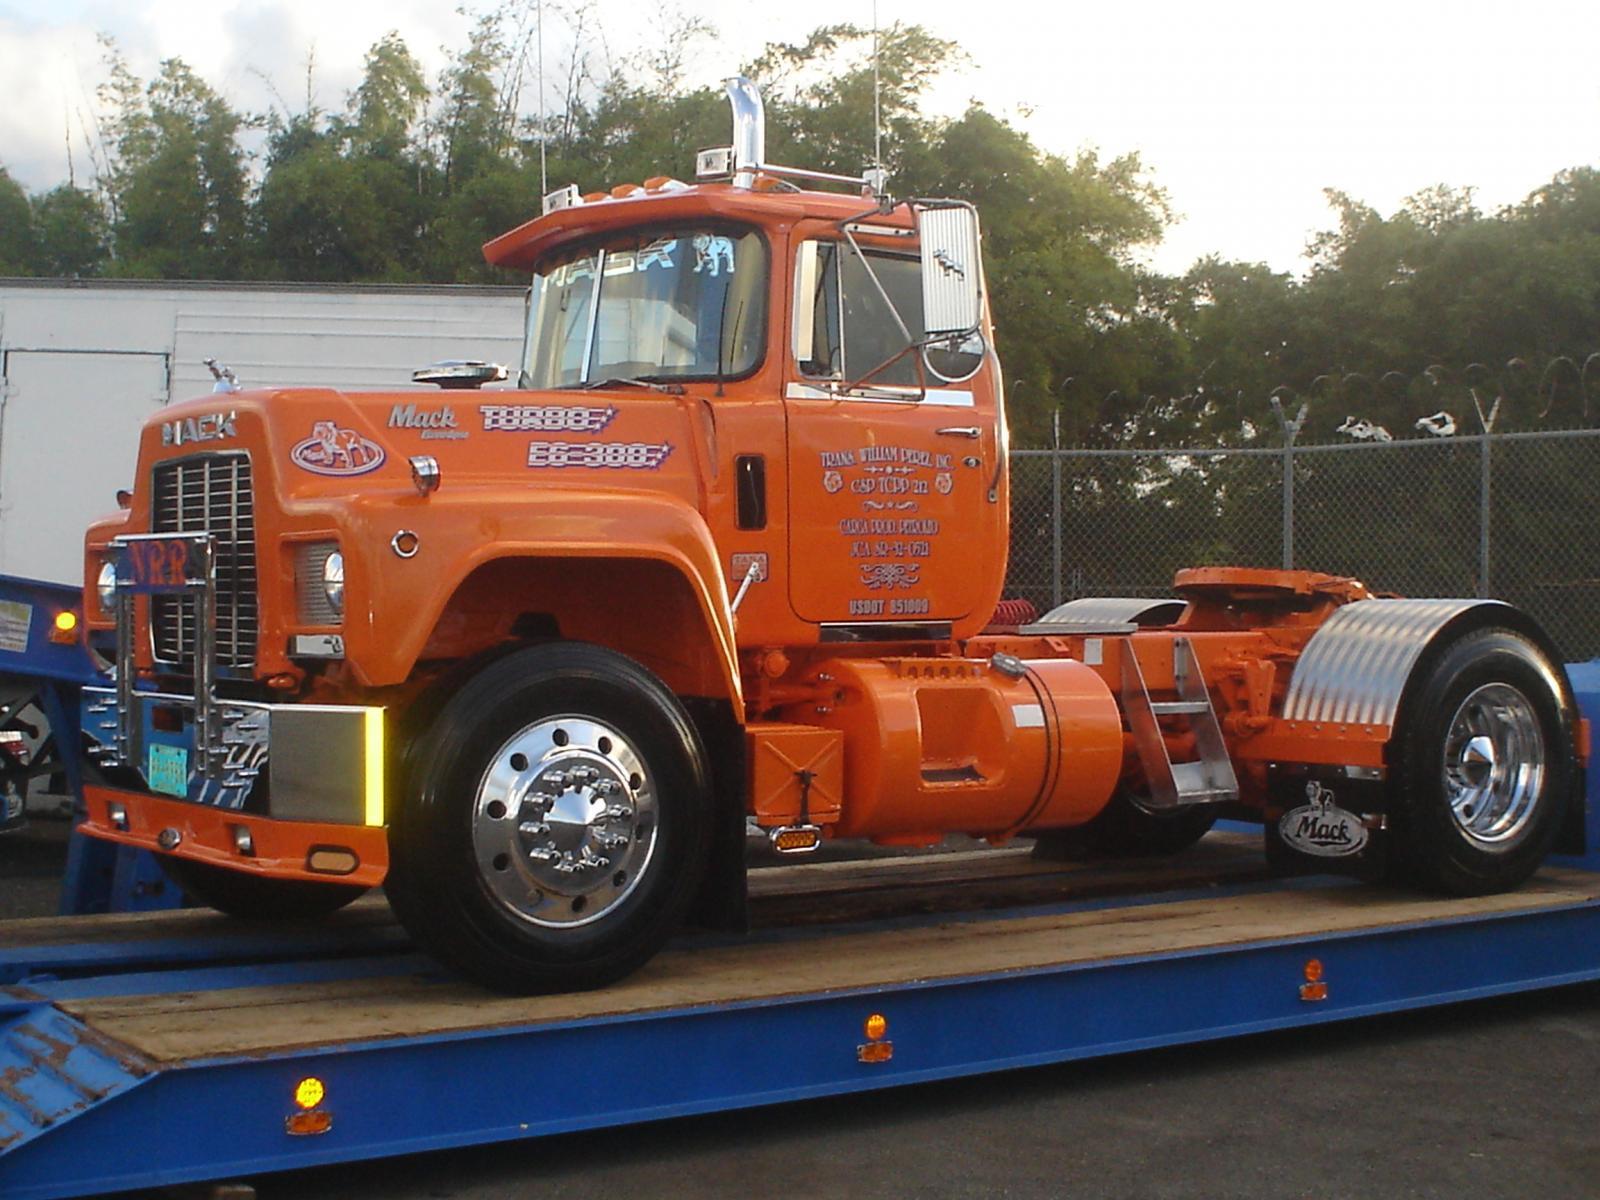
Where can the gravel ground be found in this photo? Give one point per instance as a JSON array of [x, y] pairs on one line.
[[32, 860]]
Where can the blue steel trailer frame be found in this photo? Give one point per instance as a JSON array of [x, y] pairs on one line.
[[100, 877], [82, 1112]]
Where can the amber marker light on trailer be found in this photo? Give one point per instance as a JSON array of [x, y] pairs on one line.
[[877, 1048], [309, 1118], [1315, 987], [310, 1092], [64, 631]]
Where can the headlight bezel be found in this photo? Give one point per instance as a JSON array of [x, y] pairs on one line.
[[333, 582], [105, 586]]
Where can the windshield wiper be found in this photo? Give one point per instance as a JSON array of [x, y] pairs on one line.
[[617, 381]]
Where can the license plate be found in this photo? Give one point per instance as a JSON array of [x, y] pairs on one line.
[[161, 565], [167, 770]]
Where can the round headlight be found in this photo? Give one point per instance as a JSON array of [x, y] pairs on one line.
[[333, 581], [105, 585]]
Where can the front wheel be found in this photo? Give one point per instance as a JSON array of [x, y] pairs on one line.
[[556, 822], [1483, 766]]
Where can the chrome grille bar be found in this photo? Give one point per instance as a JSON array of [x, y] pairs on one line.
[[209, 493]]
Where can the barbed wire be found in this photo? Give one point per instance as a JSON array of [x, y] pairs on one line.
[[1438, 401]]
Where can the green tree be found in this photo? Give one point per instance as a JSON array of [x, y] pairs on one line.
[[385, 106], [70, 232], [16, 228], [177, 176]]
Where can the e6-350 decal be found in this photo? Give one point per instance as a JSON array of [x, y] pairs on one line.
[[635, 456]]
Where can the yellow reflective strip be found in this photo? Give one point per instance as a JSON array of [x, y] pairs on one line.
[[374, 766]]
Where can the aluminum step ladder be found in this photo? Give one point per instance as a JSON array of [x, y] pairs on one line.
[[1206, 779]]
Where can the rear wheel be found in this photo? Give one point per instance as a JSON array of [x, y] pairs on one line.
[[254, 897], [556, 822], [1483, 766]]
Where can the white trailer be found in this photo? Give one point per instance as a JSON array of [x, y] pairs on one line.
[[83, 364]]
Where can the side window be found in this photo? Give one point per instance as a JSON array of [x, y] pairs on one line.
[[844, 330]]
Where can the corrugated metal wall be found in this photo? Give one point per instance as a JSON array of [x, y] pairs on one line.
[[82, 366]]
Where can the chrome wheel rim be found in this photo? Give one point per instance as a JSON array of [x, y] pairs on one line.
[[1494, 765], [564, 821]]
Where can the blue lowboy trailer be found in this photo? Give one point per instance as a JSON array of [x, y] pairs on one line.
[[171, 1047]]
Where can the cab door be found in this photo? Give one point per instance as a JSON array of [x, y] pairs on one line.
[[896, 493]]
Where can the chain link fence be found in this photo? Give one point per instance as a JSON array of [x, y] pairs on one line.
[[1505, 515]]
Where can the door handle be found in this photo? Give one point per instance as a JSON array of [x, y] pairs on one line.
[[960, 431]]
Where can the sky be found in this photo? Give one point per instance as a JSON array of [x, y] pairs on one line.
[[1244, 112]]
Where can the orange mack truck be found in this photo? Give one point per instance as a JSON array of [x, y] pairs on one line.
[[730, 554]]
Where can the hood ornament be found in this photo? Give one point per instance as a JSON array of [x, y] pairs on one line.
[[227, 381]]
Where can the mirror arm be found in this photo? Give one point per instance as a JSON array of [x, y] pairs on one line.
[[922, 381]]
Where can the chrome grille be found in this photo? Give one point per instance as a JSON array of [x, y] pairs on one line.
[[209, 493]]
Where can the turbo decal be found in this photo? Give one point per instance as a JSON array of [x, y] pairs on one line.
[[627, 456], [546, 418], [334, 450]]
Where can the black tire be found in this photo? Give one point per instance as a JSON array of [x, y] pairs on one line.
[[1501, 683], [252, 897], [1122, 829], [508, 862]]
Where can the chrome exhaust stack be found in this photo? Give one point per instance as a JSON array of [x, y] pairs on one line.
[[749, 130], [741, 162]]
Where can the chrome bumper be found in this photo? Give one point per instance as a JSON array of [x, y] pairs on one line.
[[322, 762]]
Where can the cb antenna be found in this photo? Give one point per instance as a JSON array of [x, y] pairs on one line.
[[877, 114], [538, 9]]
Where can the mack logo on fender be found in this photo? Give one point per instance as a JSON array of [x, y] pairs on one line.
[[1321, 827], [409, 416], [212, 427]]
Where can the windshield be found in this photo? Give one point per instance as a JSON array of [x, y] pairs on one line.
[[661, 305]]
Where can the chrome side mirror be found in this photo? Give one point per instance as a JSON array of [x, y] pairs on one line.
[[952, 271], [952, 290]]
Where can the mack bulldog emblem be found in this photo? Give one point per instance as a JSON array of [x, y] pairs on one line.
[[333, 450], [1321, 827]]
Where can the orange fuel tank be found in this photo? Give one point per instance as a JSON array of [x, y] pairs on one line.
[[936, 746]]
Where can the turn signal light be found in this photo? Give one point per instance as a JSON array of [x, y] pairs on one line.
[[796, 839], [310, 1092]]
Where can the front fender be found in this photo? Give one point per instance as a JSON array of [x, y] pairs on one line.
[[395, 603]]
